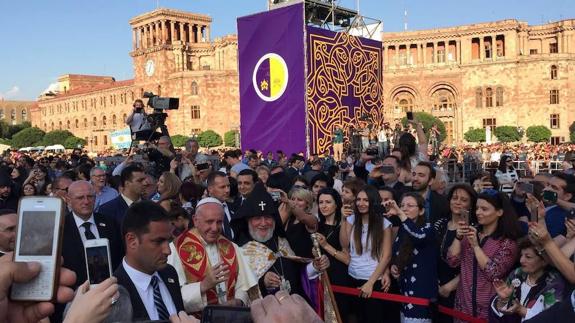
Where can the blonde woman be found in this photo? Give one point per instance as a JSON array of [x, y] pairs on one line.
[[299, 223], [168, 189]]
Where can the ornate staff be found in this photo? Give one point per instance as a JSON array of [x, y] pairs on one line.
[[330, 312]]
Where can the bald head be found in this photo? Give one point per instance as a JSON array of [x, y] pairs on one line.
[[82, 197]]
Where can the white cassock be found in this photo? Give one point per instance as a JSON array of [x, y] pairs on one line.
[[194, 301]]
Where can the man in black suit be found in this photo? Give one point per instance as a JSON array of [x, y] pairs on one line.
[[247, 180], [153, 285], [132, 181], [82, 224], [436, 205], [391, 179], [297, 163], [219, 188]]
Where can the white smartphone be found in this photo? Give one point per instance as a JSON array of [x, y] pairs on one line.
[[39, 239], [98, 264]]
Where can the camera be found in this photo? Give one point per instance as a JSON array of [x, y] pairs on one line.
[[158, 103], [371, 151]]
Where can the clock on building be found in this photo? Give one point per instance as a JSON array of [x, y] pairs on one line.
[[150, 67]]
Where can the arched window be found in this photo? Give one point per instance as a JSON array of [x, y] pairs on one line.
[[194, 88], [76, 123], [68, 124], [104, 120], [443, 100], [95, 122], [499, 97], [553, 72], [114, 121], [60, 125], [124, 117], [479, 98], [52, 126], [159, 90], [24, 115], [488, 97], [85, 122], [13, 115]]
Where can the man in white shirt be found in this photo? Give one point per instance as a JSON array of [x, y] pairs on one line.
[[151, 282], [211, 268]]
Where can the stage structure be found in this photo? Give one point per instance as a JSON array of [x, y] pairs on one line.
[[302, 74]]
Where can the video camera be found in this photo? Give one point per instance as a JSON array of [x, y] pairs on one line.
[[158, 103]]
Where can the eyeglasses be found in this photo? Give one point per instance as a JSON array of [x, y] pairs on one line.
[[408, 205]]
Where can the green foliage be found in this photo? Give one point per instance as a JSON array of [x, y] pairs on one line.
[[507, 134], [230, 138], [475, 135], [4, 141], [56, 137], [428, 121], [179, 140], [538, 134], [27, 137], [73, 142], [209, 138], [8, 130]]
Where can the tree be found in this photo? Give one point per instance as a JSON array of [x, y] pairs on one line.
[[209, 138], [179, 140], [538, 134], [56, 137], [507, 134], [475, 135], [11, 130], [230, 138], [73, 142], [27, 137], [428, 121]]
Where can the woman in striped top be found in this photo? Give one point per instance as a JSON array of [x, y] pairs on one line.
[[484, 254]]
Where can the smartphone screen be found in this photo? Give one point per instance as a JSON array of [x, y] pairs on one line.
[[226, 314], [526, 187], [550, 196], [98, 264], [202, 166], [38, 239], [465, 216], [387, 169]]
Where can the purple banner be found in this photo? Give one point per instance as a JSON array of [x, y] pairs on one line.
[[344, 85], [272, 80]]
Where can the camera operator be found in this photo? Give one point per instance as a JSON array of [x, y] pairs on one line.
[[138, 122], [161, 155]]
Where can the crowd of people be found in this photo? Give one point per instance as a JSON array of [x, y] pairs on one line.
[[273, 232]]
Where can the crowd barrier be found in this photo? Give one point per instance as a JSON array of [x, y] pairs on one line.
[[462, 172], [411, 300]]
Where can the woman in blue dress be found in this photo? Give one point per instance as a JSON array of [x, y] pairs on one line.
[[415, 251]]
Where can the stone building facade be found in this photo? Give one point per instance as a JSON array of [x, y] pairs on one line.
[[173, 56], [488, 74], [15, 112]]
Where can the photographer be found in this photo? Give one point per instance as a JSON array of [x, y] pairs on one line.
[[138, 122]]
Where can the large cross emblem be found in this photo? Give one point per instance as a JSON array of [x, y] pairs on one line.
[[262, 205]]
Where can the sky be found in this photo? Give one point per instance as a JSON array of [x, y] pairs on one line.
[[41, 40]]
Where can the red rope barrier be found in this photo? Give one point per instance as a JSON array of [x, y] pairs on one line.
[[411, 300]]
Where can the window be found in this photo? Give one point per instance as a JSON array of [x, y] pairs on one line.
[[195, 112], [500, 43], [533, 51], [553, 72], [95, 140], [104, 121], [194, 88], [95, 122], [553, 48], [557, 140], [85, 123], [443, 100], [489, 97], [554, 97], [488, 47], [489, 122], [554, 121], [479, 98], [499, 97], [76, 123], [13, 115], [114, 121], [105, 140], [60, 125], [441, 55], [196, 131], [52, 126], [68, 124]]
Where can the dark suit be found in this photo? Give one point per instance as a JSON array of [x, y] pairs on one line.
[[73, 248], [169, 277], [115, 209], [561, 312], [439, 207]]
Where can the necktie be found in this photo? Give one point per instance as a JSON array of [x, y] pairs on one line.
[[158, 302], [87, 232], [227, 230]]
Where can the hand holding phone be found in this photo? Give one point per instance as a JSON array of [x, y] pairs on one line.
[[550, 196], [39, 239]]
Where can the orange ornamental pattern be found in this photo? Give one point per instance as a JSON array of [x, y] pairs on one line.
[[191, 251]]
